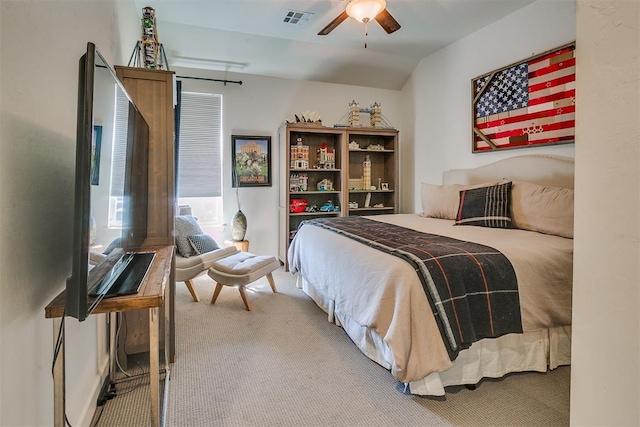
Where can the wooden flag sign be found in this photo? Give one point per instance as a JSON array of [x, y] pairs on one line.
[[530, 103]]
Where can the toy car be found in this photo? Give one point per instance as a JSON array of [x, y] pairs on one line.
[[328, 207]]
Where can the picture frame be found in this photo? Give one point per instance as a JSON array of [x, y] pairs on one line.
[[384, 186], [251, 161], [96, 144], [529, 103]]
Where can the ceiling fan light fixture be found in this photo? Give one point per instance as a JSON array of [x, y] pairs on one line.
[[365, 10]]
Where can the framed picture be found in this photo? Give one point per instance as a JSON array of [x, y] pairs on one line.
[[96, 142], [251, 161], [384, 186], [527, 104]]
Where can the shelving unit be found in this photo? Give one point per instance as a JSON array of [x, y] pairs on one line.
[[152, 91], [380, 146], [346, 175]]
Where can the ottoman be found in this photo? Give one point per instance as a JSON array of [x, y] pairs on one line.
[[240, 270]]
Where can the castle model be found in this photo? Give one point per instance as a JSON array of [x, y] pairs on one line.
[[326, 157], [299, 155]]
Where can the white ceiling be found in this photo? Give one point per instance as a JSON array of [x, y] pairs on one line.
[[249, 36]]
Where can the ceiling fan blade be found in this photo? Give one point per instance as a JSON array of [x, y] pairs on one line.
[[387, 22], [333, 24]]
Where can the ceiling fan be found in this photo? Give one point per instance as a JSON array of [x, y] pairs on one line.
[[365, 11]]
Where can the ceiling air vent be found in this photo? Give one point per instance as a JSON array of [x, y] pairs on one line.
[[297, 17]]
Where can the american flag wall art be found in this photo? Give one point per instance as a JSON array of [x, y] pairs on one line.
[[530, 103]]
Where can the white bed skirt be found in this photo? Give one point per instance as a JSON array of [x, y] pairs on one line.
[[489, 358]]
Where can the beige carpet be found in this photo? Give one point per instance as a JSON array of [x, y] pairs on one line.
[[283, 364]]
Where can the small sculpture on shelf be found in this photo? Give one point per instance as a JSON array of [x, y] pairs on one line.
[[326, 157], [308, 117], [353, 145], [375, 147], [355, 183], [311, 208], [299, 155], [325, 185], [366, 171], [352, 117], [354, 114], [298, 205], [353, 205], [329, 207], [375, 115], [149, 37], [298, 182]]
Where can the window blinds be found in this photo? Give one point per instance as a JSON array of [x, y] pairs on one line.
[[120, 130], [199, 166]]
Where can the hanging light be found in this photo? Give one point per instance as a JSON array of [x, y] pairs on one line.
[[365, 10]]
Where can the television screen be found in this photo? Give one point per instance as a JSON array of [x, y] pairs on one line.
[[110, 183]]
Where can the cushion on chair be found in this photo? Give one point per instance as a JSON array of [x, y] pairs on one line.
[[242, 268], [189, 268], [185, 226], [202, 243]]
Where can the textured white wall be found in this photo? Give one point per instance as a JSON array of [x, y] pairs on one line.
[[41, 45], [438, 94], [258, 107], [605, 371]]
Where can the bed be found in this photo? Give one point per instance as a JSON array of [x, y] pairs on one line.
[[380, 296]]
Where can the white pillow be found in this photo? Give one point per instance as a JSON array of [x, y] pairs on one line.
[[546, 210], [441, 201]]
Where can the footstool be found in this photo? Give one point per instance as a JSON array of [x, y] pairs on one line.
[[239, 270]]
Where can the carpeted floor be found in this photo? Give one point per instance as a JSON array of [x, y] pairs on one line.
[[283, 364]]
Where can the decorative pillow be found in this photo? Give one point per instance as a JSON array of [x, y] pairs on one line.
[[546, 210], [486, 206], [186, 225], [441, 201], [202, 243], [116, 243]]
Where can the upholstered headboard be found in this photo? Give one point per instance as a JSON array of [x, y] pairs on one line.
[[546, 170]]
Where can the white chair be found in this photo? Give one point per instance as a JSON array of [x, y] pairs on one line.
[[188, 269]]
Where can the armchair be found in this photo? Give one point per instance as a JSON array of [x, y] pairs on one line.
[[196, 252], [189, 268]]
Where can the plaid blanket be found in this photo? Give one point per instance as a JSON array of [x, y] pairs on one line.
[[472, 288]]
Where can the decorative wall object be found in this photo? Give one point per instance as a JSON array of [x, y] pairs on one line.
[[529, 103], [251, 161], [96, 143]]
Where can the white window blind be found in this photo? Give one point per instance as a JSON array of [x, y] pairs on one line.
[[200, 145], [120, 130]]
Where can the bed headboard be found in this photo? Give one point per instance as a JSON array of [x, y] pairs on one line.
[[546, 170]]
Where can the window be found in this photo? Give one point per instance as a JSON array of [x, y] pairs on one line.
[[199, 159], [119, 147]]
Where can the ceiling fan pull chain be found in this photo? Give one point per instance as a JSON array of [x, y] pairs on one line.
[[366, 33]]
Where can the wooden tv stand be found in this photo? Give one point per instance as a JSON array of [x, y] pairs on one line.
[[153, 294]]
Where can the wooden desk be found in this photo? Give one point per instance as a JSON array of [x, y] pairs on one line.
[[153, 292]]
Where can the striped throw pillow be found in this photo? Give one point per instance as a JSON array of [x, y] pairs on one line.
[[486, 206]]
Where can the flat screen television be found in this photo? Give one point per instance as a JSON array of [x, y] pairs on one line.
[[110, 196]]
